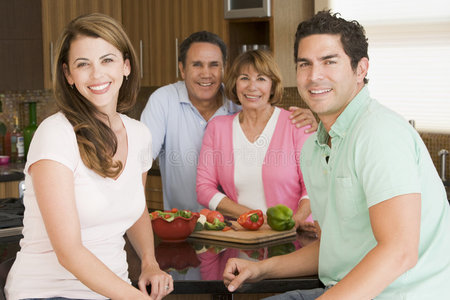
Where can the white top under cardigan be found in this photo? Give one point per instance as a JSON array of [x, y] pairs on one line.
[[107, 208], [248, 161]]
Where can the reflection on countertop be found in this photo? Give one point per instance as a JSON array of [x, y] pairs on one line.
[[197, 266], [204, 260], [12, 172]]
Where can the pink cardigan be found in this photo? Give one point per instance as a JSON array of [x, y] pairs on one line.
[[282, 178]]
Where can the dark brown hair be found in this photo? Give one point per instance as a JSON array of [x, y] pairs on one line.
[[96, 141], [202, 37], [264, 63], [352, 35]]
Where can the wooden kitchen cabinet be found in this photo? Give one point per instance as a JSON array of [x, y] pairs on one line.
[[277, 31], [9, 189], [157, 27], [20, 45], [136, 22], [56, 14], [154, 193]]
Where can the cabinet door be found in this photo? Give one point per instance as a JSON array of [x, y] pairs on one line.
[[197, 15], [287, 14], [163, 43], [136, 21], [20, 45], [171, 21], [56, 14], [9, 189]]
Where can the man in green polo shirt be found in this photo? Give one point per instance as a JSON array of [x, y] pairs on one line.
[[380, 204]]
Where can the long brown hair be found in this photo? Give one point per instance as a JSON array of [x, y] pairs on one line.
[[96, 141]]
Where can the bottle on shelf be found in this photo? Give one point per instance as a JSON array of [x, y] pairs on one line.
[[3, 128], [17, 143], [29, 130]]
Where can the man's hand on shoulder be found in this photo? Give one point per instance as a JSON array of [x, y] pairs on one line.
[[303, 117]]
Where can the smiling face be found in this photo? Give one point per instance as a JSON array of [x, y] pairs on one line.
[[202, 72], [253, 89], [325, 78], [96, 68]]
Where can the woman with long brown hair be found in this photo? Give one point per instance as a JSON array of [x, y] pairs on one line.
[[85, 177]]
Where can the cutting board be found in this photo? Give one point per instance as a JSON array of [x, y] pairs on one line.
[[242, 236]]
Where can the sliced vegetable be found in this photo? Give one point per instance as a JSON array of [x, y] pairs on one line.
[[251, 220], [185, 213], [214, 215], [200, 223], [172, 214], [216, 225], [279, 217]]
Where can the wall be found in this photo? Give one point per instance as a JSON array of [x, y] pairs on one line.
[[434, 141], [15, 103]]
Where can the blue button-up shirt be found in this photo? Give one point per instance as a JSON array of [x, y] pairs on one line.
[[177, 131]]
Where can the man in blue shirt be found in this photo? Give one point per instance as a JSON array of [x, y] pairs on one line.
[[177, 115], [380, 204]]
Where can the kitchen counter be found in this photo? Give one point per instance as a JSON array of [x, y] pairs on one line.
[[12, 172], [197, 265]]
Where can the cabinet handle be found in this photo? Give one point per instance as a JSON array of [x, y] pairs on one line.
[[140, 58], [176, 56], [154, 190], [51, 61]]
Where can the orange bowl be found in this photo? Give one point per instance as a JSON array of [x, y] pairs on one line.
[[175, 231]]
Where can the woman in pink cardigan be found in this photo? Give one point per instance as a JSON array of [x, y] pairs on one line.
[[250, 160]]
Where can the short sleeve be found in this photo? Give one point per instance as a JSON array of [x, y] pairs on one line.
[[387, 161], [145, 155], [154, 116], [54, 140]]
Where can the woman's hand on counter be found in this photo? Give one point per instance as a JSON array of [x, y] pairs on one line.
[[161, 282]]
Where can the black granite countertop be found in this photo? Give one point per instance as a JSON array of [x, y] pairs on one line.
[[197, 266], [12, 172]]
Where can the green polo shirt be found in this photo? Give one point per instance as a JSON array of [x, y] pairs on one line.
[[375, 155]]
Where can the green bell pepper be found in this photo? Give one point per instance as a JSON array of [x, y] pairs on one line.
[[279, 217]]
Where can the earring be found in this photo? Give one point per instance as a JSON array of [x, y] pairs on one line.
[[72, 86], [126, 77]]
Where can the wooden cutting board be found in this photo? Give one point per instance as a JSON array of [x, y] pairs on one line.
[[242, 236]]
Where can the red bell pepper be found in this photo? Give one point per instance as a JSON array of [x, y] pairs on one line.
[[251, 220]]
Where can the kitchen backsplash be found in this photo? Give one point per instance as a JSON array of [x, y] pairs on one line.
[[16, 103]]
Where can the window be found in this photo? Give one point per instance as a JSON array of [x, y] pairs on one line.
[[409, 55]]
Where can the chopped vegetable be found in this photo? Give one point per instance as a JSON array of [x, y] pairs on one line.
[[169, 216], [226, 228], [214, 215], [200, 223], [251, 220], [279, 217], [216, 225]]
